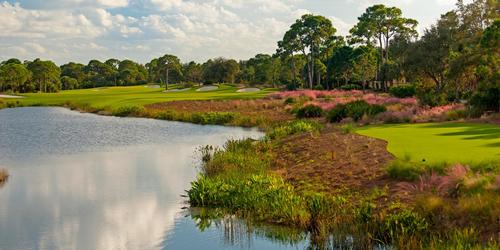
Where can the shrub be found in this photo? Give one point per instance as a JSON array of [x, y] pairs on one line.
[[215, 118], [309, 111], [403, 91], [243, 156], [376, 109], [337, 114], [405, 170], [124, 111], [488, 100], [294, 127], [405, 222], [289, 100], [319, 87], [291, 87], [350, 87], [357, 109], [267, 198]]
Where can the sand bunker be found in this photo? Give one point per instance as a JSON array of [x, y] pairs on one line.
[[10, 96], [176, 90], [207, 88], [248, 90]]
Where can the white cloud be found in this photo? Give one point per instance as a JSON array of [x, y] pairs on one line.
[[113, 3], [191, 29]]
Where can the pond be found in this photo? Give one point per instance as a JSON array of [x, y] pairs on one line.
[[82, 181]]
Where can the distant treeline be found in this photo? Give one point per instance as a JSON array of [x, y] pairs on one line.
[[456, 58]]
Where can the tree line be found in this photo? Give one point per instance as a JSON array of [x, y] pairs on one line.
[[454, 59]]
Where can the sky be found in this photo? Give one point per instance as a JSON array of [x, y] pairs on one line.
[[140, 30]]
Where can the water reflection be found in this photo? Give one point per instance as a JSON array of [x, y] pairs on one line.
[[84, 188]]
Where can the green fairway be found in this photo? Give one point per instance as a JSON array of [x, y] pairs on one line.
[[440, 142], [113, 97]]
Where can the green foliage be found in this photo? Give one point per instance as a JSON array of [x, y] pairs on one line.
[[266, 198], [289, 100], [403, 91], [293, 127], [488, 100], [216, 118], [355, 110], [405, 170], [240, 156], [405, 222], [125, 111], [350, 87], [337, 114], [319, 87], [309, 111]]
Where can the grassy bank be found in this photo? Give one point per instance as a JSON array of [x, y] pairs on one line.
[[455, 208]]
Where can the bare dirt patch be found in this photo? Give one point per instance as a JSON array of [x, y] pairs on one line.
[[333, 161]]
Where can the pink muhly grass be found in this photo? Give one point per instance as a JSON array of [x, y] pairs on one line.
[[432, 182]]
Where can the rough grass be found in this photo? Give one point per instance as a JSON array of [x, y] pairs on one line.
[[115, 97], [440, 142]]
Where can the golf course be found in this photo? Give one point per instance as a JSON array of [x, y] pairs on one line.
[[440, 142], [250, 124], [113, 97]]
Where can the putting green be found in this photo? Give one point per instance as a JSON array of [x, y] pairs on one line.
[[440, 142], [135, 95]]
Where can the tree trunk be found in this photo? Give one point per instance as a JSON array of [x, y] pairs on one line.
[[166, 79]]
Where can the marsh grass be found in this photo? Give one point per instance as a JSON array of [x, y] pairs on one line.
[[236, 180], [293, 127]]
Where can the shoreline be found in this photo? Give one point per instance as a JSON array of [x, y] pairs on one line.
[[382, 198]]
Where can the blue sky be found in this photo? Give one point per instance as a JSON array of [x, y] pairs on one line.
[[80, 30]]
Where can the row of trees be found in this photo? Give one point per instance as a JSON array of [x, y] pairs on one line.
[[456, 57]]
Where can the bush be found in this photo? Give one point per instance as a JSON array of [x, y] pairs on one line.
[[376, 109], [291, 87], [405, 170], [337, 114], [403, 91], [128, 111], [488, 100], [215, 118], [350, 87], [309, 111], [405, 222], [429, 97], [319, 87], [357, 109], [294, 127], [289, 100]]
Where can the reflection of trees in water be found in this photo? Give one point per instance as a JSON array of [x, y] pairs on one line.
[[239, 232]]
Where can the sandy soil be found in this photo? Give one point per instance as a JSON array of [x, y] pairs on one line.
[[10, 96]]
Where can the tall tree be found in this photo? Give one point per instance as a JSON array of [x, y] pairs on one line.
[[379, 25], [46, 75], [307, 35], [170, 67], [13, 76]]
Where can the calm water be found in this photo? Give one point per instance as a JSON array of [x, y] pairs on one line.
[[81, 181]]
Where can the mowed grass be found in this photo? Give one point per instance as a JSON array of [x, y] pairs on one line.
[[440, 142], [113, 97]]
